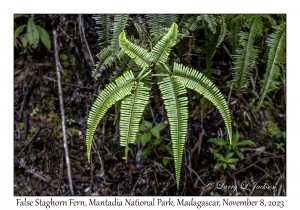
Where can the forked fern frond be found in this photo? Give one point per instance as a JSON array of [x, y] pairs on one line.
[[132, 108], [105, 25], [246, 56], [195, 80], [158, 22], [120, 22], [188, 24], [211, 21], [109, 53], [276, 57], [176, 105], [223, 30], [105, 60], [161, 50], [110, 95], [138, 54], [234, 29]]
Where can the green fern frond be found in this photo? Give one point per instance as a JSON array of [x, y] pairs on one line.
[[211, 21], [246, 56], [169, 19], [138, 54], [158, 22], [155, 25], [195, 80], [188, 24], [234, 29], [176, 105], [120, 22], [132, 108], [112, 93], [161, 50], [276, 57], [223, 30], [105, 60], [105, 25]]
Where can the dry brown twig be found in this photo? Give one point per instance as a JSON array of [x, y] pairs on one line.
[[62, 111]]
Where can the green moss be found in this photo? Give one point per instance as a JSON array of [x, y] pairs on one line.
[[33, 130], [74, 131], [53, 118], [272, 127], [21, 125], [67, 76], [72, 60]]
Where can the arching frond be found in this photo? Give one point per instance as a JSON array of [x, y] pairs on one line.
[[246, 56], [235, 24], [188, 24], [176, 105], [119, 24], [104, 23], [105, 60], [109, 53], [158, 22], [223, 30], [276, 57], [138, 54], [161, 50], [211, 21], [194, 80], [132, 108], [112, 93]]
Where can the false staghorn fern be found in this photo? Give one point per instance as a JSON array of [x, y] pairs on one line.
[[276, 57], [134, 95], [247, 55]]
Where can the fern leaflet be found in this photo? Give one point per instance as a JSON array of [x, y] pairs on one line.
[[176, 106], [276, 57], [194, 80], [110, 95], [132, 108]]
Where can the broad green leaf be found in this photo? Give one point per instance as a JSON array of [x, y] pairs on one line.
[[239, 154], [278, 134], [19, 15], [219, 142], [235, 138], [143, 127], [157, 142], [169, 149], [146, 152], [232, 166], [44, 36], [218, 165], [284, 135], [138, 137], [148, 124], [165, 161], [17, 32], [32, 35], [228, 156], [232, 160], [244, 143], [160, 126], [145, 138], [220, 157], [155, 132]]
